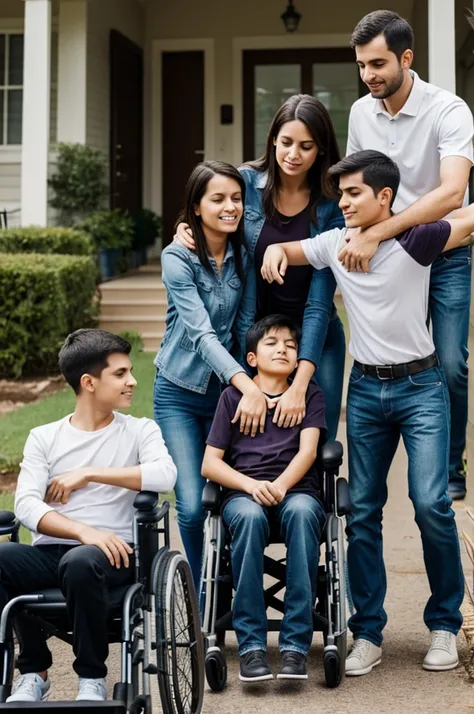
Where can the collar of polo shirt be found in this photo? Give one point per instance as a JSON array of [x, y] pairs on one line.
[[412, 104]]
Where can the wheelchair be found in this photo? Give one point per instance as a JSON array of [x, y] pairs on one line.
[[156, 620], [329, 613]]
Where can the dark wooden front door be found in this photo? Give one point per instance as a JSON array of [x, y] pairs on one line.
[[182, 129], [126, 123]]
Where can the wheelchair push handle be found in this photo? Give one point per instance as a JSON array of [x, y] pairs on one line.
[[331, 455], [9, 525]]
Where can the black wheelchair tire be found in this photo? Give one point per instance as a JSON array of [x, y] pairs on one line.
[[333, 668], [216, 669], [174, 578]]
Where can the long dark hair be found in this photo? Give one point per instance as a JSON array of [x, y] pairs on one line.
[[195, 190], [315, 116]]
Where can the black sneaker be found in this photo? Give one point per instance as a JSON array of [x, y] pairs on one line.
[[293, 665], [254, 667]]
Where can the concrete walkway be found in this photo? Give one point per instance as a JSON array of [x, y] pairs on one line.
[[398, 685]]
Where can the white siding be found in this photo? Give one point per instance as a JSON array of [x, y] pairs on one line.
[[126, 16], [10, 183]]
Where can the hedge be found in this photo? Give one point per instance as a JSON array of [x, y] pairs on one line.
[[34, 239], [43, 298]]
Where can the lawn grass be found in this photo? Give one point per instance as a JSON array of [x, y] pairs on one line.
[[15, 426]]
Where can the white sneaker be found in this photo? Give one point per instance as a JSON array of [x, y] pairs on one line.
[[30, 688], [363, 658], [443, 653], [91, 690]]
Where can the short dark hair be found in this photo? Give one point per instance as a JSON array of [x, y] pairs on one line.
[[397, 32], [87, 351], [378, 170], [272, 322]]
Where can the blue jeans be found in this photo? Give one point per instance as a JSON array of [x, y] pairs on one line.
[[378, 412], [450, 294], [330, 375], [300, 519], [185, 418]]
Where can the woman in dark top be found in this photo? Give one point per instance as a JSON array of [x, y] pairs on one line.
[[289, 196]]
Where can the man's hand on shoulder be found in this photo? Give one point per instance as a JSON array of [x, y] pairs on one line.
[[114, 547], [61, 487], [184, 236], [360, 248]]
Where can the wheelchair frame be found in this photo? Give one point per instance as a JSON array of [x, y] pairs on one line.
[[162, 594], [329, 614]]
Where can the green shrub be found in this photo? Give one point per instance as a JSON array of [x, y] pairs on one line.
[[147, 227], [79, 182], [135, 339], [43, 298], [34, 239], [109, 229]]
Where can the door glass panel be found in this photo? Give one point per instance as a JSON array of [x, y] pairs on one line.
[[15, 60], [14, 113], [273, 85], [336, 85]]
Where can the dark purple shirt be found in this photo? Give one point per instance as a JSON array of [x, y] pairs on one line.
[[290, 298], [265, 456]]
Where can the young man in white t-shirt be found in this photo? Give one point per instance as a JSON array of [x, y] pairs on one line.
[[75, 492], [428, 132], [396, 388]]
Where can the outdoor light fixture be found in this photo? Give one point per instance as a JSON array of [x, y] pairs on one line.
[[291, 17]]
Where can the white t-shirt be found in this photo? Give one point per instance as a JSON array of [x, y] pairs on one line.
[[386, 307], [431, 125], [57, 448]]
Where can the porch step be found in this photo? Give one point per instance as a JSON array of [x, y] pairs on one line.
[[136, 323], [152, 340], [145, 307]]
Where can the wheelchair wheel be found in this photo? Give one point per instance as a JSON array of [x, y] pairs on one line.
[[216, 669], [179, 644], [333, 668]]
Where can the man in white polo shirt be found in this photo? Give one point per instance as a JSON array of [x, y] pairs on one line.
[[428, 132], [396, 389]]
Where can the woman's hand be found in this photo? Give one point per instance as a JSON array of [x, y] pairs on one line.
[[252, 411], [291, 407], [184, 236]]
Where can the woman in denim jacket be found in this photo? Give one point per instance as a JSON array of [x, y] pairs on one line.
[[208, 298], [288, 196]]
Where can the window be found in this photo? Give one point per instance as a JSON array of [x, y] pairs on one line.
[[11, 88]]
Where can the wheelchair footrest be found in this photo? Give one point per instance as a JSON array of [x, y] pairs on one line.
[[111, 707]]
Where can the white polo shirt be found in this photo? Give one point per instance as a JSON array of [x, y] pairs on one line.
[[432, 124], [387, 307]]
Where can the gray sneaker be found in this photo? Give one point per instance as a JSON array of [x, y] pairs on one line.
[[91, 690], [30, 688]]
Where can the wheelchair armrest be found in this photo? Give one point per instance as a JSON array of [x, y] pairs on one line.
[[342, 495], [146, 501], [211, 497], [9, 524], [331, 455]]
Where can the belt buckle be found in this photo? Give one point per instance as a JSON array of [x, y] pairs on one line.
[[378, 370]]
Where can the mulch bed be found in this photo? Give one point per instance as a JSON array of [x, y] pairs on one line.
[[14, 394]]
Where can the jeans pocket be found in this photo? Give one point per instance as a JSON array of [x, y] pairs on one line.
[[427, 378], [356, 376]]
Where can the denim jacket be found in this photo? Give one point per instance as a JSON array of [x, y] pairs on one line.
[[204, 312], [319, 307]]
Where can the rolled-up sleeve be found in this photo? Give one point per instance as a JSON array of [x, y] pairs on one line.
[[178, 276], [157, 466], [32, 484]]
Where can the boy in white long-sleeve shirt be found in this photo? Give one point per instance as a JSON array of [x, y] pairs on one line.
[[75, 492]]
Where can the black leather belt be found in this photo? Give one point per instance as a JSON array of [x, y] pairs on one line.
[[396, 371]]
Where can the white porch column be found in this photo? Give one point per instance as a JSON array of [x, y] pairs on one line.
[[442, 44], [36, 113], [72, 72]]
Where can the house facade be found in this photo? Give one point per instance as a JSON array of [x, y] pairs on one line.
[[157, 86]]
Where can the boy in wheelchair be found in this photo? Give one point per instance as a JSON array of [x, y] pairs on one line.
[[75, 492], [270, 480]]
